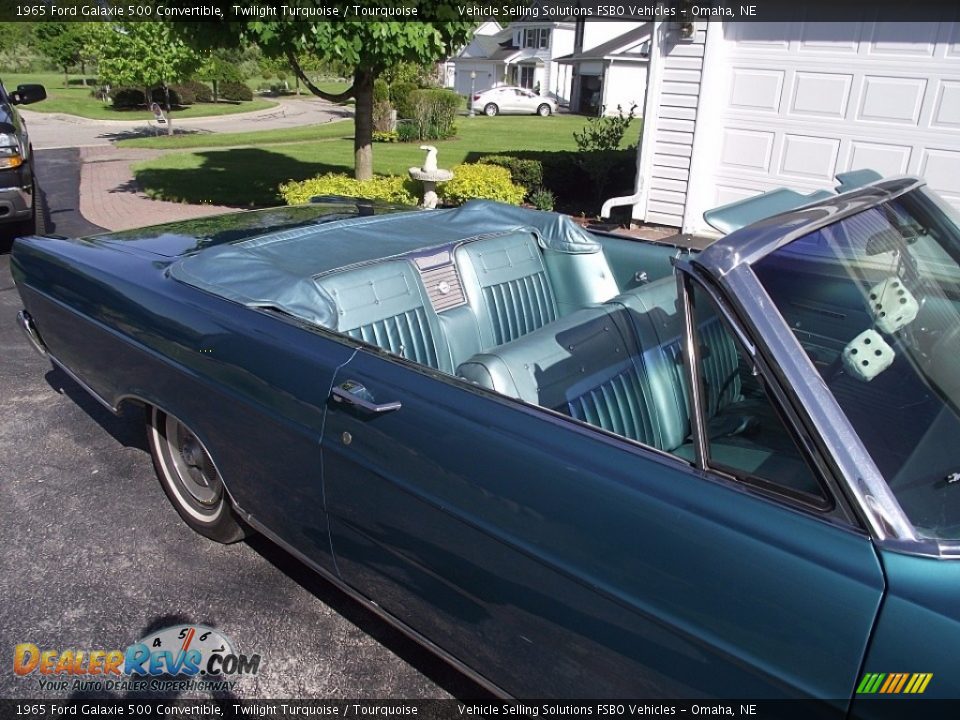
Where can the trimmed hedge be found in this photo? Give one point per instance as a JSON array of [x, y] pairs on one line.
[[528, 173], [201, 91], [391, 188], [230, 90], [127, 97], [179, 96], [572, 186], [476, 180]]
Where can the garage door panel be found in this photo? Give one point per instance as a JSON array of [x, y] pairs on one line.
[[889, 38], [756, 89], [809, 157], [941, 167], [946, 107], [953, 40], [746, 149], [886, 159], [892, 99], [821, 94], [761, 36], [832, 37]]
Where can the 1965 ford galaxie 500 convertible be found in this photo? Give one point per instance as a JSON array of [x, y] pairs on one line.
[[572, 463]]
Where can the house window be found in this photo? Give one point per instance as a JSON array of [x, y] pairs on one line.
[[526, 76], [538, 38]]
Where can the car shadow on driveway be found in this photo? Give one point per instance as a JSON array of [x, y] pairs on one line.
[[127, 428]]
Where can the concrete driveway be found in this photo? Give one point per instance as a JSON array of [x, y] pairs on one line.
[[55, 130]]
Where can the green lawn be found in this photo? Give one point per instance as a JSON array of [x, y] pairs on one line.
[[250, 175], [76, 99], [332, 130]]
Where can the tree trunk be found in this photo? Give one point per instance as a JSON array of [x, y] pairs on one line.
[[66, 76], [166, 94], [83, 71], [363, 134], [216, 91]]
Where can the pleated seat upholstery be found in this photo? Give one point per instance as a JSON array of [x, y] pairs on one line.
[[507, 286], [385, 304], [590, 365]]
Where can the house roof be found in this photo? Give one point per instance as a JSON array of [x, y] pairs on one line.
[[632, 45], [481, 47]]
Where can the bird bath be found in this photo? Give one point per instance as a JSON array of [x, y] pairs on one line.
[[430, 175]]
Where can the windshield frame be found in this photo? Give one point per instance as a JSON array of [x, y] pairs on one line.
[[731, 269]]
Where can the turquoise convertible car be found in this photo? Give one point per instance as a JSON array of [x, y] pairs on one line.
[[571, 463]]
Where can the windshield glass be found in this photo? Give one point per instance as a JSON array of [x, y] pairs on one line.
[[875, 301]]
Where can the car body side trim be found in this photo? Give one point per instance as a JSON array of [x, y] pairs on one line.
[[375, 608]]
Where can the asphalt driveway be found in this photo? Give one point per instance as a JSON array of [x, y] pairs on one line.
[[94, 555]]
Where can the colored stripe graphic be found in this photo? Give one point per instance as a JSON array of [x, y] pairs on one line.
[[894, 683]]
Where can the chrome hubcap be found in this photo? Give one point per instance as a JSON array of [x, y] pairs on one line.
[[191, 463]]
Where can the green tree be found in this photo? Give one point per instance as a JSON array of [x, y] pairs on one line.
[[221, 65], [66, 45], [364, 49], [142, 54]]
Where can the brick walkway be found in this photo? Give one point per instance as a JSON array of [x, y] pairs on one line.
[[110, 198]]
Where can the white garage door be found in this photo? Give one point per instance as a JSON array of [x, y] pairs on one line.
[[796, 103]]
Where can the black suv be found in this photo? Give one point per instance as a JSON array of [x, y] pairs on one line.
[[18, 186]]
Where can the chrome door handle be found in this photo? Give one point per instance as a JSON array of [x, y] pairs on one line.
[[353, 393]]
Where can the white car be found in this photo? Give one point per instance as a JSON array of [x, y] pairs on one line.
[[513, 100]]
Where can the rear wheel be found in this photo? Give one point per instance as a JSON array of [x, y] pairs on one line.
[[544, 110], [190, 479], [491, 109]]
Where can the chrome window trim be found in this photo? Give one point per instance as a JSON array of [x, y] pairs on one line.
[[862, 480], [834, 500]]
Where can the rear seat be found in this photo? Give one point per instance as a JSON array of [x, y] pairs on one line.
[[507, 286], [505, 283], [385, 304]]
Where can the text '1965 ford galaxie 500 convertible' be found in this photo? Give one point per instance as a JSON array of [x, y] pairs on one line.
[[571, 463]]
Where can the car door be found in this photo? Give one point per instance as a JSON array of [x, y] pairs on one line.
[[559, 560], [510, 100], [527, 101]]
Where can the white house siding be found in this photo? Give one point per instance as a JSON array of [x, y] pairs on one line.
[[558, 77], [625, 86], [599, 31], [792, 104], [676, 89]]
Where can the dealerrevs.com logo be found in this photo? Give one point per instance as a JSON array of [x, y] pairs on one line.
[[182, 657]]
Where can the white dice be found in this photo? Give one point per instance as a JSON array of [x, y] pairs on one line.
[[867, 355], [892, 305]]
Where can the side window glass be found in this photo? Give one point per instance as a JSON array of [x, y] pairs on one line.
[[745, 434]]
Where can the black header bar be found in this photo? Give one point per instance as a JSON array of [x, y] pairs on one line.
[[503, 11]]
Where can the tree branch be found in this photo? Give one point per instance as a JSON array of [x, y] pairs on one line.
[[339, 97]]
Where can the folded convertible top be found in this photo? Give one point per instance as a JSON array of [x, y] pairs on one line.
[[278, 269]]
